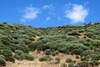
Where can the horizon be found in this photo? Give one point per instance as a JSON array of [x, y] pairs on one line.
[[50, 13]]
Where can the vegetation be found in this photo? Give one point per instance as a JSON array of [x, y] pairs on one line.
[[45, 58], [16, 41]]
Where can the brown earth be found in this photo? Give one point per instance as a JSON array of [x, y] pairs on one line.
[[82, 35]]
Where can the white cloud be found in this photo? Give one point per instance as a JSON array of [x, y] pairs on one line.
[[59, 18], [48, 18], [46, 7], [30, 13], [77, 14], [50, 9]]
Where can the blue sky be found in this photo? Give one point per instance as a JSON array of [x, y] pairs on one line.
[[48, 13]]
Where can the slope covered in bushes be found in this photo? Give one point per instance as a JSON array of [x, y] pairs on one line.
[[16, 41]]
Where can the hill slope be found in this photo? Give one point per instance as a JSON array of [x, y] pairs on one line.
[[49, 47]]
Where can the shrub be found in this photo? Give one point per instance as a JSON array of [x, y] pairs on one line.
[[24, 56], [12, 48], [8, 54], [83, 64], [87, 52], [22, 47], [96, 43], [53, 53], [77, 57], [29, 57], [74, 33], [45, 58], [17, 56], [82, 58], [19, 52], [68, 60], [63, 65], [73, 61], [47, 51], [70, 65], [57, 60], [2, 61], [32, 46], [3, 56]]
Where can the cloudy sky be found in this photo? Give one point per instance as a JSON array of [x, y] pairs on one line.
[[47, 13]]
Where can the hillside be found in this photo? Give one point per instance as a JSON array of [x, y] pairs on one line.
[[63, 46]]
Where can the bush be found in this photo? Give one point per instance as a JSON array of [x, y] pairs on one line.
[[29, 57], [68, 60], [22, 47], [57, 60], [53, 53], [8, 54], [12, 48], [19, 52], [77, 57], [73, 61], [17, 56], [63, 65], [83, 64], [74, 33], [45, 58], [47, 52], [70, 65], [87, 52], [32, 46], [3, 56], [24, 56], [2, 61], [96, 43]]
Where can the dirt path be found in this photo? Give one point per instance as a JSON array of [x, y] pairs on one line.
[[83, 35], [36, 38]]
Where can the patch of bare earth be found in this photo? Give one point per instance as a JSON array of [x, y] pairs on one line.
[[83, 35]]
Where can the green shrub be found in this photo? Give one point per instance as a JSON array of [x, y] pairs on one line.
[[70, 65], [12, 48], [83, 64], [47, 52], [73, 61], [63, 65], [17, 56], [68, 60], [24, 56], [19, 52], [53, 53], [74, 33], [32, 46], [57, 60], [82, 58], [87, 52], [96, 43], [77, 57], [45, 58], [3, 56], [2, 61], [29, 57], [8, 54], [53, 50], [22, 47]]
